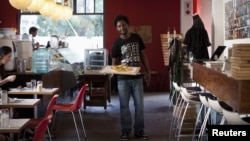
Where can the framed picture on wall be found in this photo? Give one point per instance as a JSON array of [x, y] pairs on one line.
[[237, 19]]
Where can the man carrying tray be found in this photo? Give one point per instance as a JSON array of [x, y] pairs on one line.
[[128, 50]]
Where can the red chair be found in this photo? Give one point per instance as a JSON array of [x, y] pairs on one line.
[[40, 130], [72, 107], [49, 114]]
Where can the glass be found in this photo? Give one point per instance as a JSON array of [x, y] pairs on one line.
[[4, 97], [33, 84], [5, 118]]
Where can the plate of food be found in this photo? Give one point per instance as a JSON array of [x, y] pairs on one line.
[[120, 69]]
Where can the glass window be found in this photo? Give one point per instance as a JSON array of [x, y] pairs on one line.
[[84, 30]]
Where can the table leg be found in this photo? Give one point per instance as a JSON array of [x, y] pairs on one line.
[[35, 108]]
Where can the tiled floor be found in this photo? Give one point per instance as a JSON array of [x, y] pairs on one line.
[[104, 125]]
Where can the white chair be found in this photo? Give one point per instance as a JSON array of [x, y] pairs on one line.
[[218, 105], [234, 118], [207, 109], [188, 98]]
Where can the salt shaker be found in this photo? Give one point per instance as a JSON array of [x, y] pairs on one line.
[[5, 119]]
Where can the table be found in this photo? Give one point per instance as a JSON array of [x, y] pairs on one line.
[[235, 93], [99, 89], [21, 103], [16, 126], [29, 91]]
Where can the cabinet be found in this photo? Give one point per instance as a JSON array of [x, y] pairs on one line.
[[95, 59]]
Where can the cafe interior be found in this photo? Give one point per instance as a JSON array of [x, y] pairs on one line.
[[72, 67]]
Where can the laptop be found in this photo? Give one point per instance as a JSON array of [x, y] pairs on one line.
[[216, 55]]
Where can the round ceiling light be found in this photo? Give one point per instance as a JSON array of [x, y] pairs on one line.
[[36, 5], [20, 4]]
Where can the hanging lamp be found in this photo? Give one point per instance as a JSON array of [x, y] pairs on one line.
[[36, 5], [48, 9], [20, 4], [59, 13], [67, 13]]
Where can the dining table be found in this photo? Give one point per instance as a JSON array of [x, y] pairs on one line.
[[15, 127], [20, 103], [34, 92]]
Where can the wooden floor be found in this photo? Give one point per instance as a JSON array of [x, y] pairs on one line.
[[104, 125]]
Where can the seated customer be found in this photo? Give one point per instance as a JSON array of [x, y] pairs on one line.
[[5, 55]]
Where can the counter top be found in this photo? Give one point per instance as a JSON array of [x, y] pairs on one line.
[[235, 93]]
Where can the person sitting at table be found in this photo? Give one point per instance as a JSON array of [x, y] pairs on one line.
[[5, 55]]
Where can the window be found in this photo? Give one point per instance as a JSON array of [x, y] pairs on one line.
[[83, 30]]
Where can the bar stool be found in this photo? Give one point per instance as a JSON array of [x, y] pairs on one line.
[[179, 102], [234, 118], [218, 105], [207, 109], [188, 98]]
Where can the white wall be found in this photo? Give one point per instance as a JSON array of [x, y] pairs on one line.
[[206, 16], [186, 20]]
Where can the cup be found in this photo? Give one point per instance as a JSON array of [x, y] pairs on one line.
[[28, 84], [33, 84], [4, 97], [5, 118]]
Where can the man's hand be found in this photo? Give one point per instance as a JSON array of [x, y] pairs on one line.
[[147, 78]]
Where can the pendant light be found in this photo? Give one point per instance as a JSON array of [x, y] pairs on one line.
[[67, 13], [20, 4], [36, 5], [59, 13], [48, 9]]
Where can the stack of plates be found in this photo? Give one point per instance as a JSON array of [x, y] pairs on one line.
[[214, 64], [240, 61]]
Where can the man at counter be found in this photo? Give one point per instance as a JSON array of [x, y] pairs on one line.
[[33, 32]]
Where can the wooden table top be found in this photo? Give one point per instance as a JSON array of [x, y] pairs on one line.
[[21, 103], [16, 126], [45, 91], [235, 93]]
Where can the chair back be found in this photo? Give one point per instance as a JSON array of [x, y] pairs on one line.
[[234, 118], [49, 111], [79, 99], [40, 130], [176, 87]]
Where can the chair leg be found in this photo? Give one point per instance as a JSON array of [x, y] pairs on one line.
[[76, 126], [49, 133], [84, 131], [198, 119], [58, 124], [203, 126]]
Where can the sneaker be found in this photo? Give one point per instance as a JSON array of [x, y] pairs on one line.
[[141, 135], [124, 136]]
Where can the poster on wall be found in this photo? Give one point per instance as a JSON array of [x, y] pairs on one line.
[[237, 19], [144, 31]]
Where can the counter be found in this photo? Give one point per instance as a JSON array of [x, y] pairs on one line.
[[235, 93]]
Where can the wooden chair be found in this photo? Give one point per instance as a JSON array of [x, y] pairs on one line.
[[72, 107]]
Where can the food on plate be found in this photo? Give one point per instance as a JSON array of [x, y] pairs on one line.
[[121, 68]]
